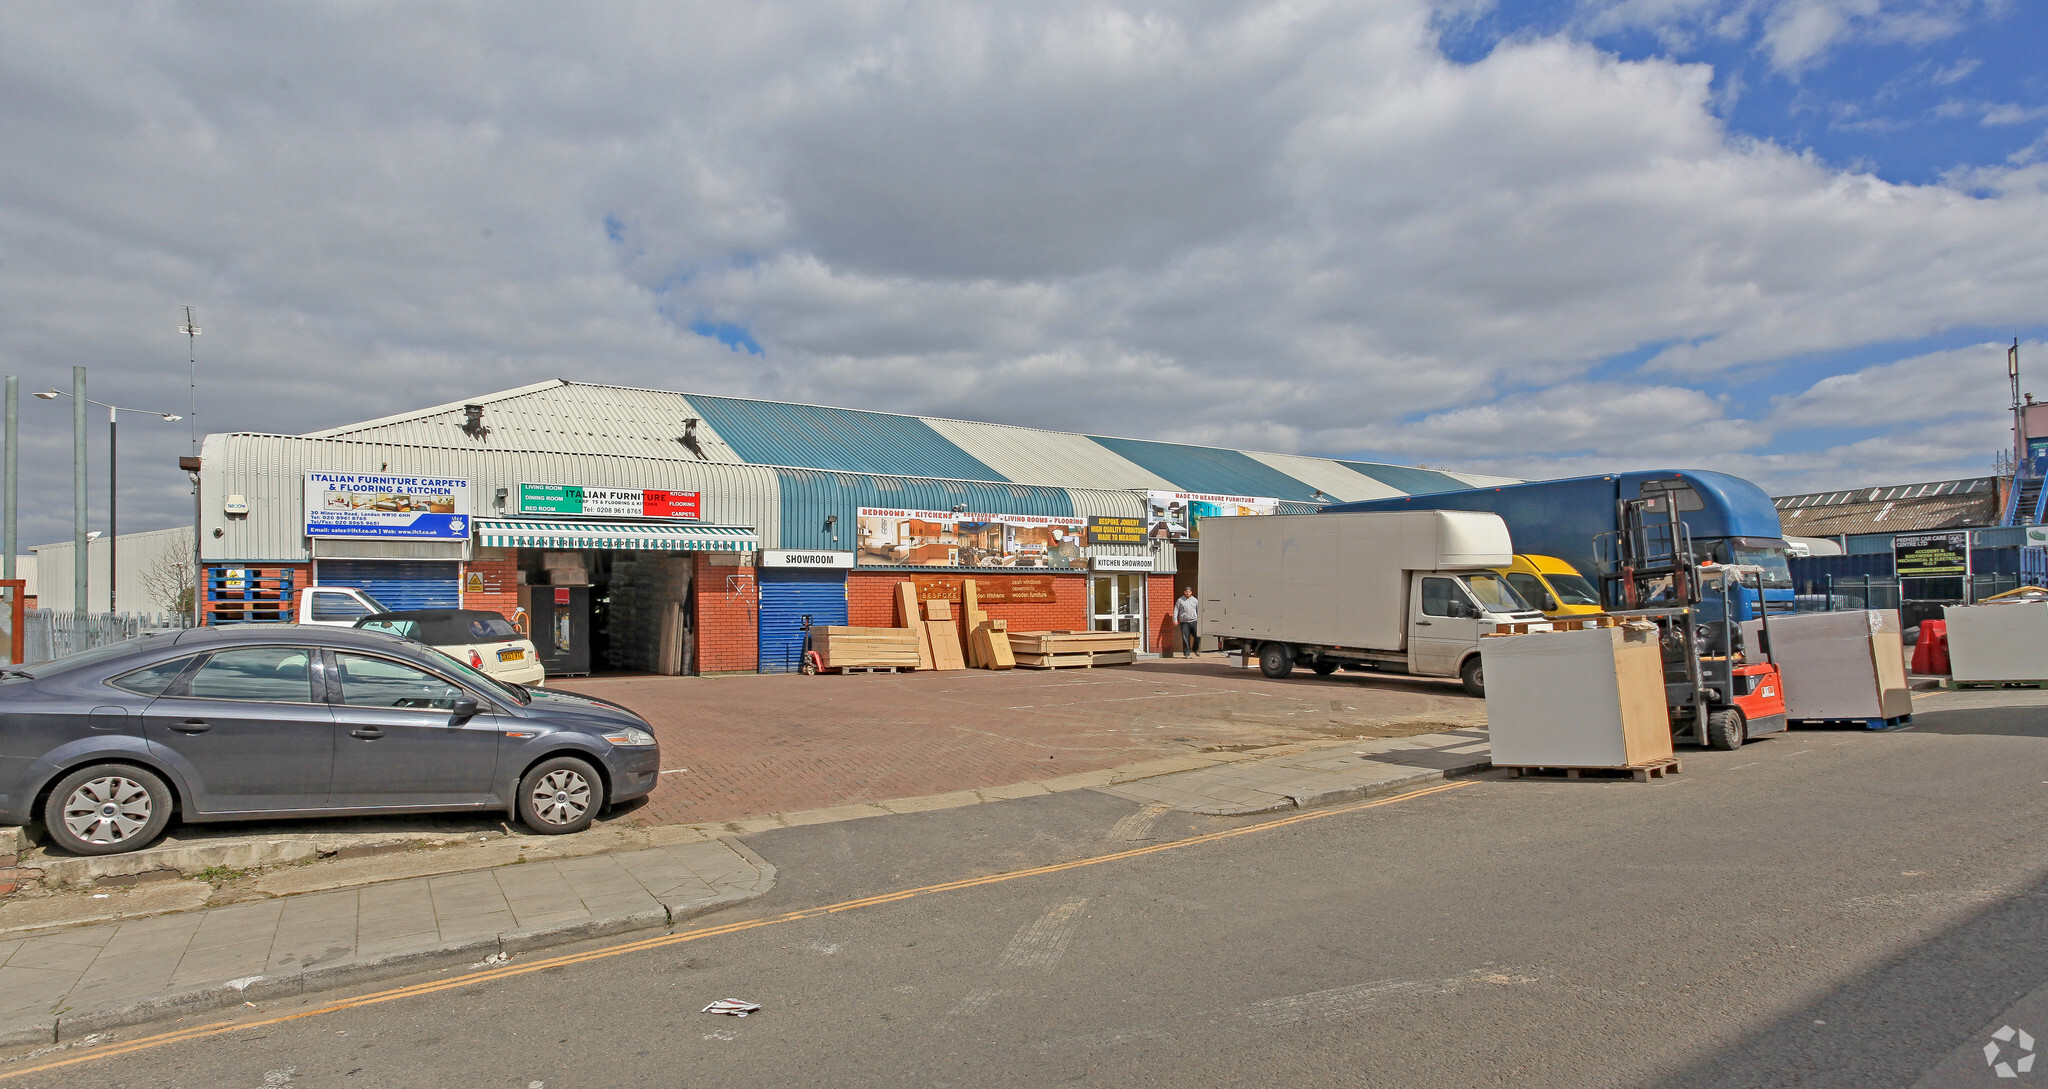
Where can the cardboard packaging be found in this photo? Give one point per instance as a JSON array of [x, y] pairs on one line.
[[1838, 666], [1576, 699]]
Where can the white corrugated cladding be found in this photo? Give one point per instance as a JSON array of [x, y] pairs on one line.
[[572, 417], [1337, 481], [270, 471], [1054, 459], [1480, 480], [1089, 503]]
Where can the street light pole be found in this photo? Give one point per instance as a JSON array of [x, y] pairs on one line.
[[113, 494], [78, 403], [81, 560], [7, 523]]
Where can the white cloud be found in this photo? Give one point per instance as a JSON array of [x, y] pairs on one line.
[[1289, 225]]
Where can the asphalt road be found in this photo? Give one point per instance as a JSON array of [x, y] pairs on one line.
[[1830, 908]]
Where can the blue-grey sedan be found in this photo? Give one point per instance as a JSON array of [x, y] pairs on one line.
[[287, 720]]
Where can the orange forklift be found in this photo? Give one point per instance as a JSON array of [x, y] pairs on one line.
[[1719, 693]]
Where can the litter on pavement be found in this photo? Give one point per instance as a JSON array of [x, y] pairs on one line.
[[733, 1007]]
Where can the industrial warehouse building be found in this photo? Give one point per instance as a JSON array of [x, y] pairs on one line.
[[637, 529]]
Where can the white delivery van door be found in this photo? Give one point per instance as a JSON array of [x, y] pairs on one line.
[[1445, 625]]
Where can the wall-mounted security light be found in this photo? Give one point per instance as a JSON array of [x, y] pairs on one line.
[[500, 497], [959, 507]]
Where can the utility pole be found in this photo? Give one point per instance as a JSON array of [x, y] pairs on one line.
[[191, 332], [113, 494], [81, 559], [2019, 435], [7, 522]]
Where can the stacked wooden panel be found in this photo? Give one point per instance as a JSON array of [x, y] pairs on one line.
[[1073, 649], [864, 648]]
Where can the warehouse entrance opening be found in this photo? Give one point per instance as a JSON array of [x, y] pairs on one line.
[[609, 610], [1116, 603]]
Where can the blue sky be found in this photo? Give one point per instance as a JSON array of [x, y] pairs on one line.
[[1787, 239]]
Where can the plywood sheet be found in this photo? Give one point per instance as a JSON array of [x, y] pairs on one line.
[[945, 640], [907, 616]]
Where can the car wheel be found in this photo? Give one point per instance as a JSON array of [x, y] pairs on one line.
[[1726, 729], [1276, 660], [1323, 667], [107, 809], [1474, 676], [560, 795]]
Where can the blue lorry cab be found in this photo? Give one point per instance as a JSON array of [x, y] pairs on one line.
[[1729, 519]]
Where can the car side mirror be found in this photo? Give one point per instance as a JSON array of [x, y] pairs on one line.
[[1463, 610], [1549, 603], [465, 708]]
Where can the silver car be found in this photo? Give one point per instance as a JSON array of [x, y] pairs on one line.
[[264, 721]]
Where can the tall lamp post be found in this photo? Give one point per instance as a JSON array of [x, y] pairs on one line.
[[113, 490]]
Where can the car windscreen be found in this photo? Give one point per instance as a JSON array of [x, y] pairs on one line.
[[404, 629], [1573, 589], [1495, 595], [1777, 573], [466, 627]]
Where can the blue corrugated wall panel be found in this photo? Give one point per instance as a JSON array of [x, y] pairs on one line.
[[809, 497], [1204, 469], [843, 439], [787, 596], [1410, 480], [409, 584]]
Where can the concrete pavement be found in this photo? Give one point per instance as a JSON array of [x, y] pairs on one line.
[[59, 983]]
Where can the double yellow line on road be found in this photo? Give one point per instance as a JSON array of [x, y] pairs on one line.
[[219, 1028]]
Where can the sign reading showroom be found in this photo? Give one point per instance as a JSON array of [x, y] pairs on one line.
[[376, 505], [793, 557]]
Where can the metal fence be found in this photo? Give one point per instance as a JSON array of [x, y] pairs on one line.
[[47, 634], [1922, 598]]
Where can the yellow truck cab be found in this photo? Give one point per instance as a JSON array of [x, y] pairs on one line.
[[1552, 585]]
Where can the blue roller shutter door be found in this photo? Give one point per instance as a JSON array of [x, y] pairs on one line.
[[406, 584], [786, 596]]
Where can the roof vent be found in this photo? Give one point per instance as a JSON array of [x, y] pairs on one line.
[[473, 421], [689, 437]]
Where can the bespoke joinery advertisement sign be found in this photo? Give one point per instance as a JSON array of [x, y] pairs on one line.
[[1931, 555], [929, 538], [1105, 531], [574, 499], [1177, 516], [990, 591], [377, 505]]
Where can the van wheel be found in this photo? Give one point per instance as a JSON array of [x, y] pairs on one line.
[[1474, 676], [1726, 730], [107, 809], [1323, 667], [1276, 660]]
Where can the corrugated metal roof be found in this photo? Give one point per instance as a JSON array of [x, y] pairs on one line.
[[1888, 493], [810, 496], [1410, 481], [571, 417], [1338, 481], [838, 439], [1210, 469], [1892, 515], [1059, 459]]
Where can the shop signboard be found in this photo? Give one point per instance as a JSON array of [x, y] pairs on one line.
[[1931, 555], [924, 538], [1123, 531], [797, 557], [1177, 516], [1121, 563], [579, 501], [989, 591], [378, 505]]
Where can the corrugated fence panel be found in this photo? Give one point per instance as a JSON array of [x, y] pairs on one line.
[[403, 584], [809, 497], [1207, 469], [787, 596], [837, 439]]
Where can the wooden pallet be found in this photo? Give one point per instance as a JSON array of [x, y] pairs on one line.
[[1641, 773], [1562, 623], [1998, 684], [869, 669], [1055, 661], [1892, 723]]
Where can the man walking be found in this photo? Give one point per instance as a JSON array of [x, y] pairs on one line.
[[1184, 614]]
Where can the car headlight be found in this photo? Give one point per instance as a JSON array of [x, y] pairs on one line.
[[630, 736]]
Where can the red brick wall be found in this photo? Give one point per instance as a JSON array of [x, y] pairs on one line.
[[1159, 614], [728, 618], [504, 573], [871, 603]]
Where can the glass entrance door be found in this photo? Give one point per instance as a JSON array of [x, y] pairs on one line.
[[1116, 603]]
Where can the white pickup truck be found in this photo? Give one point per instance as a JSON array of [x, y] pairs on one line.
[[336, 606], [1397, 591]]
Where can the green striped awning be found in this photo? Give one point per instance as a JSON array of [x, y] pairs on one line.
[[633, 536]]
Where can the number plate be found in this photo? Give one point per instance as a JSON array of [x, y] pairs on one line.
[[514, 655]]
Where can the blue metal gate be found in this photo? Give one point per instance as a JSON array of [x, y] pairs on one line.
[[786, 597], [399, 584]]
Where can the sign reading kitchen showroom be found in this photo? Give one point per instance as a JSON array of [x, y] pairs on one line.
[[794, 557], [377, 505]]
